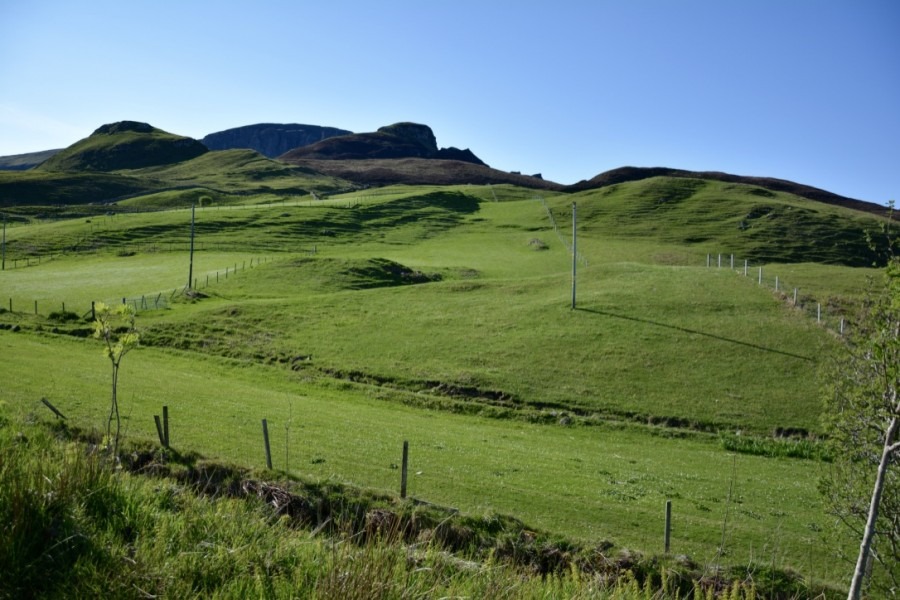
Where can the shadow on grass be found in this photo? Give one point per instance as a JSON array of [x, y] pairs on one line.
[[693, 331]]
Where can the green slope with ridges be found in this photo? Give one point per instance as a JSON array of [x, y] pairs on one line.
[[713, 216]]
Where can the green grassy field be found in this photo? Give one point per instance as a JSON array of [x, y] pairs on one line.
[[442, 316], [589, 483]]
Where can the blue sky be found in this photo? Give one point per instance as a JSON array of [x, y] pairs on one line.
[[806, 90]]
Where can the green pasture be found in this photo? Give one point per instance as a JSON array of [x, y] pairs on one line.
[[589, 483], [76, 281], [651, 339], [415, 313]]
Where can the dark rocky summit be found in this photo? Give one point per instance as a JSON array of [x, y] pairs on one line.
[[400, 140], [124, 127], [270, 139]]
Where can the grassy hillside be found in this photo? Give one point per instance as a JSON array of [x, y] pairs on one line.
[[492, 329], [21, 190], [442, 316], [226, 177], [419, 171], [124, 145], [237, 533], [628, 174], [593, 484], [241, 172], [19, 162], [750, 221]]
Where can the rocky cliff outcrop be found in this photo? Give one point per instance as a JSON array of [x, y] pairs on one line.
[[270, 139], [400, 140]]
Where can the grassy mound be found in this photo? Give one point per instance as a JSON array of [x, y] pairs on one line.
[[124, 145], [750, 221]]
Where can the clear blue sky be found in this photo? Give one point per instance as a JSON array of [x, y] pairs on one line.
[[806, 90]]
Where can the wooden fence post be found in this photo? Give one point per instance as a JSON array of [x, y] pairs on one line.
[[266, 440], [668, 523], [58, 414], [166, 426], [404, 469], [159, 431]]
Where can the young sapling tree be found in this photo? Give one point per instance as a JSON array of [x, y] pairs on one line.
[[115, 326], [863, 487]]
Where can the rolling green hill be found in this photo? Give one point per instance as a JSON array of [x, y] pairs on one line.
[[356, 318], [124, 145], [242, 173], [226, 176], [22, 190], [748, 220], [433, 315]]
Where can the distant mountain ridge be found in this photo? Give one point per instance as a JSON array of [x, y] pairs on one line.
[[400, 153], [22, 162], [270, 139]]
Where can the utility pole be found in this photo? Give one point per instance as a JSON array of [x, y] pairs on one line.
[[574, 253], [191, 266], [3, 245]]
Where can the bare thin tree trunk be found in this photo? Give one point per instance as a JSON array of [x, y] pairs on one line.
[[116, 405], [114, 412], [112, 408], [869, 533]]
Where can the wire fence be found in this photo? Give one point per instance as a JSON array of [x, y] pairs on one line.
[[825, 315], [37, 255], [158, 300], [565, 242]]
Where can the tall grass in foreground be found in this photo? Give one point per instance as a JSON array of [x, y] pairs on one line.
[[74, 525]]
